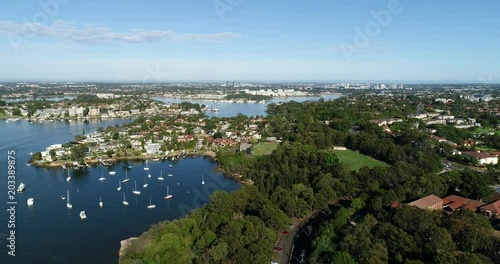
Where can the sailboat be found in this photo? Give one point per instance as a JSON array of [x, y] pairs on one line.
[[69, 178], [169, 196], [102, 177], [170, 175], [145, 183], [202, 179], [124, 201], [147, 167], [83, 216], [151, 206], [119, 186], [126, 178], [112, 173], [68, 203], [149, 175], [100, 202], [170, 165], [161, 176], [30, 201], [135, 191]]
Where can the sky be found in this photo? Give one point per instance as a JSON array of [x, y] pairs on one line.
[[250, 40]]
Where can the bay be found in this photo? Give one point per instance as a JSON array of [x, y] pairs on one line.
[[48, 232]]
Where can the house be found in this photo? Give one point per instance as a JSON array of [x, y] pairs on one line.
[[454, 202], [430, 202], [491, 210], [483, 158]]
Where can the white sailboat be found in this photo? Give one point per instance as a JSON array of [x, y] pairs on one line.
[[119, 186], [170, 165], [151, 206], [147, 166], [126, 178], [100, 202], [202, 179], [135, 191], [169, 196], [69, 178], [149, 175], [83, 216], [30, 201], [68, 203], [161, 176], [102, 176], [112, 173], [124, 201], [145, 183], [170, 175]]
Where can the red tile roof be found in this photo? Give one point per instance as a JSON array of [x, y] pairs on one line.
[[428, 202], [455, 202], [479, 155], [492, 207]]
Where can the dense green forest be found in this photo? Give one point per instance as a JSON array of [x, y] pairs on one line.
[[303, 175]]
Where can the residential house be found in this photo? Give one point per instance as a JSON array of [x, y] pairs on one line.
[[491, 210], [454, 202], [483, 158], [430, 202]]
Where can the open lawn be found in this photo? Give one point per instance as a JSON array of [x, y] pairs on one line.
[[357, 160], [264, 149]]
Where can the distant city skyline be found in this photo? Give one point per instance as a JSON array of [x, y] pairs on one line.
[[392, 41]]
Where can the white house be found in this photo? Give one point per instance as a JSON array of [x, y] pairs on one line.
[[483, 158], [153, 148]]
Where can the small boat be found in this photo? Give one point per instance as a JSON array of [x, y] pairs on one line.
[[202, 179], [112, 173], [156, 159], [168, 196], [30, 201], [68, 203], [129, 167], [100, 202], [135, 191], [147, 166], [68, 178], [126, 178], [21, 187], [161, 176], [83, 216], [124, 201], [145, 184], [151, 206], [102, 176], [170, 175], [63, 197], [119, 186], [170, 166], [149, 175]]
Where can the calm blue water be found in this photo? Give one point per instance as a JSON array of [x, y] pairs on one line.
[[250, 109], [50, 233]]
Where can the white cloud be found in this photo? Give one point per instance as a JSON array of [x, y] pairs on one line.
[[91, 34]]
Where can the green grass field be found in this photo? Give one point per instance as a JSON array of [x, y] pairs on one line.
[[357, 160], [264, 149]]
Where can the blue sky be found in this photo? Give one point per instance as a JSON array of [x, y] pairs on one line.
[[216, 40]]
